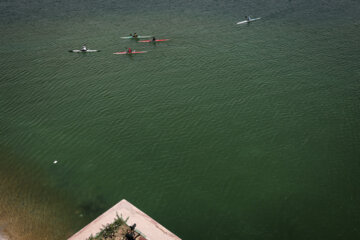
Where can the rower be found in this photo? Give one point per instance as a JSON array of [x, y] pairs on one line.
[[131, 235], [129, 51], [153, 39], [135, 35], [248, 18], [84, 48]]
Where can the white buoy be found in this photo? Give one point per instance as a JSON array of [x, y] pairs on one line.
[[55, 162]]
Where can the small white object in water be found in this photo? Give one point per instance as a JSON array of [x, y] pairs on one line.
[[55, 162]]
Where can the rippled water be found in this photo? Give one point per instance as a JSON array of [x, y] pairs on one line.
[[224, 132]]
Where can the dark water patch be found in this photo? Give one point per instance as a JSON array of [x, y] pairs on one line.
[[91, 209]]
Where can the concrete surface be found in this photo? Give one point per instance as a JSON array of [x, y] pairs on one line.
[[151, 229]]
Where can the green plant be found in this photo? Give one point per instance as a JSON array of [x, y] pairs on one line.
[[109, 230]]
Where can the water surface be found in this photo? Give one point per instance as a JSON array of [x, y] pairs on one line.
[[224, 132]]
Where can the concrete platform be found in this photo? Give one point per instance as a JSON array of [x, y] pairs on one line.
[[151, 229], [3, 235]]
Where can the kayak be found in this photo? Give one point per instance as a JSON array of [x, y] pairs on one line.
[[248, 21], [81, 51], [157, 40], [131, 37], [126, 52]]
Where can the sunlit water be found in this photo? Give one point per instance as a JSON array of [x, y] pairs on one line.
[[224, 132]]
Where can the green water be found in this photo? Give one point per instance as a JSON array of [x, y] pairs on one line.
[[224, 132]]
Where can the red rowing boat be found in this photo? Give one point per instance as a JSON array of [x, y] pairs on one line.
[[157, 40], [126, 52]]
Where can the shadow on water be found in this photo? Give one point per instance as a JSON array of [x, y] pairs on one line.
[[93, 208]]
